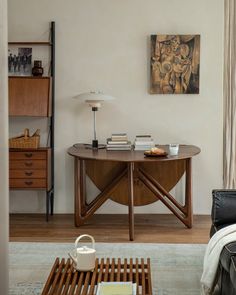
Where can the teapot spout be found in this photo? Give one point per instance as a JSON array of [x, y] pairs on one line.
[[73, 258]]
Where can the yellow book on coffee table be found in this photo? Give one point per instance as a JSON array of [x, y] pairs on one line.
[[116, 288]]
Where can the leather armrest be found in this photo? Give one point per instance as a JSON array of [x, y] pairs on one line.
[[223, 207], [233, 271], [227, 252]]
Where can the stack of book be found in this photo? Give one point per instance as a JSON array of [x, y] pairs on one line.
[[143, 143], [118, 142], [116, 288]]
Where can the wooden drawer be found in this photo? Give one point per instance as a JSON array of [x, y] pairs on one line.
[[28, 155], [37, 173], [27, 183], [28, 164], [30, 168]]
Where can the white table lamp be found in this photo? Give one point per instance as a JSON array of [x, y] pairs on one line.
[[94, 99]]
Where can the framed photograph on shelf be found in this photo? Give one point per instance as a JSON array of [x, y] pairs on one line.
[[20, 61]]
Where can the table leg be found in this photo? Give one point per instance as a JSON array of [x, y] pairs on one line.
[[188, 193], [83, 186], [131, 199], [79, 190]]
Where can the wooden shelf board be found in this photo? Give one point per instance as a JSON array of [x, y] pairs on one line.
[[31, 43], [30, 77], [29, 149]]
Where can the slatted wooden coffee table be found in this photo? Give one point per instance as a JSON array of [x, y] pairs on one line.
[[64, 279]]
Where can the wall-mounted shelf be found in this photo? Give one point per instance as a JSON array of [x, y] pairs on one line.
[[31, 43], [33, 169]]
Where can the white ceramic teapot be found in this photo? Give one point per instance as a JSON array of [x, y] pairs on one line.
[[84, 257]]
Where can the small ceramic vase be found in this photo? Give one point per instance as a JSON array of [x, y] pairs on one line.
[[37, 70]]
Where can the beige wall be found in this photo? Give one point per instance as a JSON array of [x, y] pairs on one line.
[[3, 151], [105, 45]]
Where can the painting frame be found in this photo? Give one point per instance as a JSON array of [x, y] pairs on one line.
[[19, 61], [175, 64]]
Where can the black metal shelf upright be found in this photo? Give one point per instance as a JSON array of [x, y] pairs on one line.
[[50, 194]]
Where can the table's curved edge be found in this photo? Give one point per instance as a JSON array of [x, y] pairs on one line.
[[75, 152]]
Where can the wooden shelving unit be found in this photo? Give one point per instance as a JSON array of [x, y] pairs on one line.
[[30, 96]]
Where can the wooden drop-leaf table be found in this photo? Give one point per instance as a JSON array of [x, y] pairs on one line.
[[130, 178]]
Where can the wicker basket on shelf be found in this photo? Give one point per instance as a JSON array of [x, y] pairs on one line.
[[25, 140]]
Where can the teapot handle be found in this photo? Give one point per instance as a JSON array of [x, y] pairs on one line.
[[83, 236]]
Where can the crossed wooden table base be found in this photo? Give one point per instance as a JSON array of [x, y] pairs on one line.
[[128, 177]]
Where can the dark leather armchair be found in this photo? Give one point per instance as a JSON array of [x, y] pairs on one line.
[[224, 214]]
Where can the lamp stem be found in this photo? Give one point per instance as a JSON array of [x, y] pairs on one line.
[[95, 141], [94, 125]]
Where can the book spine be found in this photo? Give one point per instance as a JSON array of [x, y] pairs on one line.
[[143, 136], [143, 139], [144, 143], [119, 149], [142, 148], [118, 146], [117, 142], [119, 134], [119, 139]]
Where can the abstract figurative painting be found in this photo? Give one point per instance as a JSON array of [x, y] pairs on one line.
[[175, 63]]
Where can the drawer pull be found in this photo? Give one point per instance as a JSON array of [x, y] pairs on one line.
[[28, 173], [28, 182], [28, 155], [28, 164]]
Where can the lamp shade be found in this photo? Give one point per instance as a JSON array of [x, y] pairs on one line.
[[94, 98]]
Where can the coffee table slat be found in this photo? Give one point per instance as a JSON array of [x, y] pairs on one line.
[[107, 270], [50, 277], [137, 276], [80, 284], [112, 274], [86, 283], [63, 277], [73, 284], [68, 279], [93, 280], [143, 277], [57, 277], [100, 273], [118, 270], [131, 270], [149, 280], [125, 270]]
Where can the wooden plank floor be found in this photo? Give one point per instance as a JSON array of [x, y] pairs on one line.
[[108, 228]]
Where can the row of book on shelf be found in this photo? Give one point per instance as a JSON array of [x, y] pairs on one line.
[[120, 142]]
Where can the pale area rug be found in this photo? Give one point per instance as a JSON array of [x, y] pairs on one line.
[[176, 268]]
